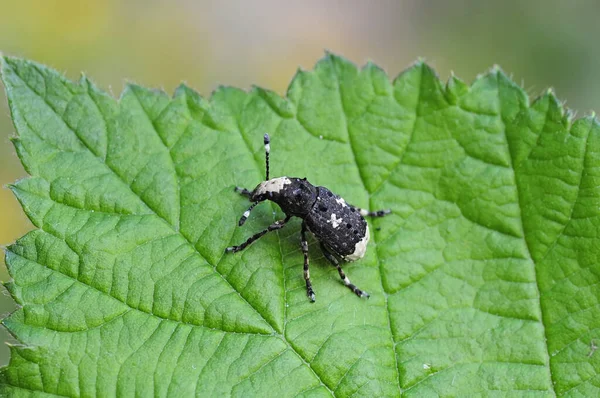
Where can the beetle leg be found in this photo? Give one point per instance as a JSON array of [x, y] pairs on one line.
[[247, 214], [336, 263], [243, 192], [273, 227], [378, 213], [309, 290]]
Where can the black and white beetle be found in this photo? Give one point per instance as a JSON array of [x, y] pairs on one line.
[[338, 226]]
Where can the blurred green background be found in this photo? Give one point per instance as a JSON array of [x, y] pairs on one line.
[[542, 43]]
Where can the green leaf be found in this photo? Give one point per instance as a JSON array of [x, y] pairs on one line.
[[484, 280]]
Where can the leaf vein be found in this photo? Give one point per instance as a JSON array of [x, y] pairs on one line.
[[535, 272], [147, 205], [162, 141]]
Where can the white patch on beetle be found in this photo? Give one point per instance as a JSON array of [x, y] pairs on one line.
[[346, 281], [360, 248], [274, 185], [268, 148], [335, 222], [364, 212], [341, 202]]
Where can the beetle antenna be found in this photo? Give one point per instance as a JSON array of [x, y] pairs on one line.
[[267, 150], [247, 214]]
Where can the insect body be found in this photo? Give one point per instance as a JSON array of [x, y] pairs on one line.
[[338, 226]]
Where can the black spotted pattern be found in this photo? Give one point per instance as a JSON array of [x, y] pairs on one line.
[[340, 233]]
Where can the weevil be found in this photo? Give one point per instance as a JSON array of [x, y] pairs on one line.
[[339, 227]]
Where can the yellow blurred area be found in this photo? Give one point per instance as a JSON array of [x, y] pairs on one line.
[[239, 43]]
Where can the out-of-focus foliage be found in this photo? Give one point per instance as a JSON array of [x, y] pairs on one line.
[[206, 43]]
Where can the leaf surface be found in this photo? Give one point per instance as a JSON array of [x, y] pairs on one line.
[[484, 280]]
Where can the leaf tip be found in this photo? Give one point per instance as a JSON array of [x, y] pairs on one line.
[[496, 69], [455, 87], [131, 86], [371, 66], [331, 55], [420, 61], [551, 94], [10, 63], [262, 92], [85, 81], [11, 288], [11, 186], [4, 65], [300, 71], [16, 188], [9, 255], [182, 89], [5, 249]]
